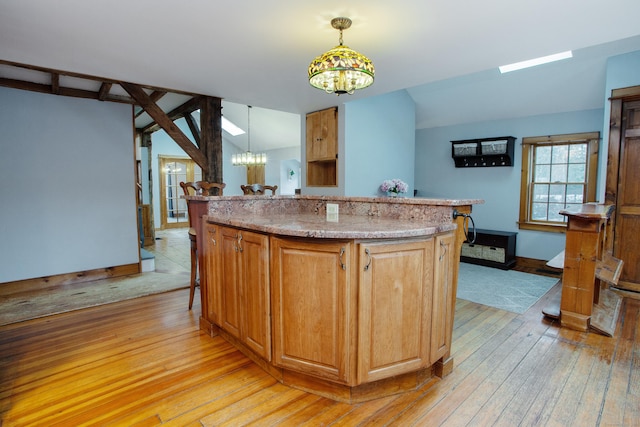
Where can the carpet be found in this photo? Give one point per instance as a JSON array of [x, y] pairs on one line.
[[23, 306], [509, 290]]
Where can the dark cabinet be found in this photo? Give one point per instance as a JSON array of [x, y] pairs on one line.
[[485, 152], [491, 248]]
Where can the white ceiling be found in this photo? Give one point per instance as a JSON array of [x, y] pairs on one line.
[[257, 52]]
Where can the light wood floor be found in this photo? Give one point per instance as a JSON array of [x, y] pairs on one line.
[[144, 362]]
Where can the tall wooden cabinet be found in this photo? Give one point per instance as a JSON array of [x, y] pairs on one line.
[[240, 283], [322, 148]]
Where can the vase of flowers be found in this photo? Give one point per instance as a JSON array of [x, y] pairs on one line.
[[394, 187]]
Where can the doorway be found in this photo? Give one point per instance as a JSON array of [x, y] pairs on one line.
[[623, 186], [173, 208]]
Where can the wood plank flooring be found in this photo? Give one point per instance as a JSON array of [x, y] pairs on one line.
[[144, 362]]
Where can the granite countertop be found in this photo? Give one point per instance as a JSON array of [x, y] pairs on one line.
[[343, 227]]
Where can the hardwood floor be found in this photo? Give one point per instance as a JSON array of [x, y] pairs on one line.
[[144, 362]]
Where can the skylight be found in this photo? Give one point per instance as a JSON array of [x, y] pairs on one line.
[[231, 128], [536, 61]]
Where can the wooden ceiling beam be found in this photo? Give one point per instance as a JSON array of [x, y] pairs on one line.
[[65, 91], [55, 83], [104, 91], [166, 123]]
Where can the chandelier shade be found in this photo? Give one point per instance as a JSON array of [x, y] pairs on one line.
[[341, 70], [248, 158]]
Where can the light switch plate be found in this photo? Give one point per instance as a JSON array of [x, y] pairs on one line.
[[332, 212]]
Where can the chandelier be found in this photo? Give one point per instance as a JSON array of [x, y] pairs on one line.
[[341, 69], [248, 158]]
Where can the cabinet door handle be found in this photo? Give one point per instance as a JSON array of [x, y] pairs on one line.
[[342, 264], [239, 244], [366, 267], [443, 250]]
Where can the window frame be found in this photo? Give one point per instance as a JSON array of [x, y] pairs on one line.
[[526, 185]]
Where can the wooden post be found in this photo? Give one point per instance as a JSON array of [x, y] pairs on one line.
[[211, 137], [584, 247]]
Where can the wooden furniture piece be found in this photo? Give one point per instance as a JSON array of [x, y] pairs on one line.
[[352, 310], [258, 189], [322, 148], [586, 300], [198, 188], [491, 248]]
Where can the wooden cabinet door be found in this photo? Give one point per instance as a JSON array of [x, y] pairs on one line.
[[443, 296], [394, 325], [255, 328], [229, 283], [322, 135], [209, 284], [311, 302]]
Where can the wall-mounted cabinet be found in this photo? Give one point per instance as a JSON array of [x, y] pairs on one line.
[[485, 152], [322, 148]]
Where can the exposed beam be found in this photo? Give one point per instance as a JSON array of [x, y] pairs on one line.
[[155, 96], [89, 77], [166, 123], [211, 136], [104, 91], [55, 83], [193, 127], [188, 107], [65, 91]]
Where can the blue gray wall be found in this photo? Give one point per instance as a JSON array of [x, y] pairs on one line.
[[68, 195], [499, 187]]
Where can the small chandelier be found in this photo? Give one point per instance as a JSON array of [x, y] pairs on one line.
[[341, 69], [248, 158]]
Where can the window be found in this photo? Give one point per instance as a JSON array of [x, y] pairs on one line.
[[558, 172]]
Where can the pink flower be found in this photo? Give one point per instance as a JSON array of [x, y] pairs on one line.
[[394, 186]]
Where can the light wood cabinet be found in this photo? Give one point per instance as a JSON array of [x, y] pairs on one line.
[[395, 288], [356, 312], [312, 305], [322, 147], [240, 287]]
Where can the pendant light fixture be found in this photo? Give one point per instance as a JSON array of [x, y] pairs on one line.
[[248, 158], [341, 69]]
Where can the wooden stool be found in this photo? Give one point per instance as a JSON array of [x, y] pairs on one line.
[[198, 188]]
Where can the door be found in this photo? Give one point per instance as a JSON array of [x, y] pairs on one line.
[[623, 187], [311, 303], [173, 208], [394, 313]]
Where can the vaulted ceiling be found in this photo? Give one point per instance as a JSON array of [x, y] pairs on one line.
[[257, 52]]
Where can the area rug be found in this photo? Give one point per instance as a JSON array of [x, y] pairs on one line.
[[509, 290], [23, 306]]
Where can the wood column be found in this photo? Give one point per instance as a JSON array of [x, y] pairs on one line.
[[211, 137]]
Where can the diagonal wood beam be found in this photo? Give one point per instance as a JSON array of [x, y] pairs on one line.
[[104, 91], [193, 126], [166, 123]]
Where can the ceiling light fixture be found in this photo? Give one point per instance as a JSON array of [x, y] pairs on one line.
[[248, 158], [537, 61], [341, 69]]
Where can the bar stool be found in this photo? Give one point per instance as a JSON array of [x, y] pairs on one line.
[[198, 188], [258, 189]]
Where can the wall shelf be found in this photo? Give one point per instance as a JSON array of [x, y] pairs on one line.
[[484, 152]]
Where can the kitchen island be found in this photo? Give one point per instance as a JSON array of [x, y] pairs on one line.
[[352, 306]]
